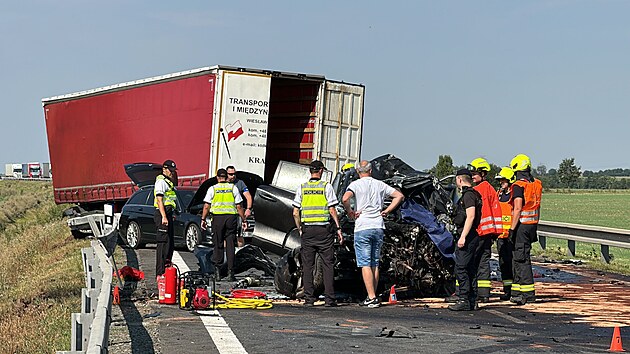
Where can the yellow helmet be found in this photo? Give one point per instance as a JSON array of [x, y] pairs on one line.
[[506, 173], [347, 166], [521, 162], [479, 164]]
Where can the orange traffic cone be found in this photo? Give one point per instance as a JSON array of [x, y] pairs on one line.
[[116, 300], [392, 296], [615, 344]]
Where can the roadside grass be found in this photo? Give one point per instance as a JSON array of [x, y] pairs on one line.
[[42, 272], [599, 208]]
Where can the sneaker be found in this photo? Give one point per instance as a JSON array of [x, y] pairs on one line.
[[370, 303], [309, 303], [460, 306]]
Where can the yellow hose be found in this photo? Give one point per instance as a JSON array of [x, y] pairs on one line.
[[231, 303]]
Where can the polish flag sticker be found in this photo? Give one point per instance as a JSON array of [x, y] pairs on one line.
[[234, 130]]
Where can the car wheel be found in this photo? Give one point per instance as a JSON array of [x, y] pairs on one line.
[[134, 235], [193, 233], [288, 275]]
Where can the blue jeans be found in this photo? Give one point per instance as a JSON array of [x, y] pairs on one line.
[[367, 247]]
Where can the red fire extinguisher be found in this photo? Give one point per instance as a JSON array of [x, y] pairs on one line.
[[167, 285]]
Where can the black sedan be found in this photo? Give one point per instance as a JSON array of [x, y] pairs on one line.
[[136, 224], [137, 227]]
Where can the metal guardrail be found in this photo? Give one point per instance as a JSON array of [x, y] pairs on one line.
[[603, 236], [90, 327]]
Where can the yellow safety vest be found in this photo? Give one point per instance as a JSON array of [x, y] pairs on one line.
[[314, 204], [223, 201], [169, 195]]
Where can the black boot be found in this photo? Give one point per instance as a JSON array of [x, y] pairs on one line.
[[460, 305], [452, 299], [231, 276]]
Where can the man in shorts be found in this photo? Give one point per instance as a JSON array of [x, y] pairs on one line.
[[370, 196]]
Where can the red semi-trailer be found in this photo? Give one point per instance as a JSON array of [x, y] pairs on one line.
[[203, 119]]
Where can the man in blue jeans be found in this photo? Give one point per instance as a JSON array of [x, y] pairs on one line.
[[370, 196]]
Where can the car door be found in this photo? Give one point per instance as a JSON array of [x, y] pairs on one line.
[[145, 217]]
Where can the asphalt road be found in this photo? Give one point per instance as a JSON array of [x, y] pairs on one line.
[[564, 319]]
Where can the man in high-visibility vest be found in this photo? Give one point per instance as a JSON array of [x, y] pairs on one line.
[[313, 207], [505, 247], [223, 200], [526, 197], [164, 202], [489, 226]]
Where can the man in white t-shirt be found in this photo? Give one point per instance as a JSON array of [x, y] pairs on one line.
[[370, 196]]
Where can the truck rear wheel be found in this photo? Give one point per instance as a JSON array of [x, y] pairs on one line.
[[133, 235]]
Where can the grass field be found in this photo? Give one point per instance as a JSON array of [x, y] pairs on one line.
[[42, 272], [598, 208]]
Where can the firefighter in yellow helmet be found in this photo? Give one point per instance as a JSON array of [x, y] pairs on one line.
[[347, 166], [526, 197], [505, 247], [489, 226]]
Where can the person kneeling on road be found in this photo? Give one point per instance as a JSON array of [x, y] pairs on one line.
[[467, 255], [313, 206], [370, 196]]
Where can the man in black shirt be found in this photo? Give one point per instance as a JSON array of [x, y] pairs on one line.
[[467, 258]]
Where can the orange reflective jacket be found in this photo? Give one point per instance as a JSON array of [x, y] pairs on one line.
[[490, 210], [506, 216], [530, 214]]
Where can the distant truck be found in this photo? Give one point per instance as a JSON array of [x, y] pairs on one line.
[[46, 170], [203, 119], [34, 170]]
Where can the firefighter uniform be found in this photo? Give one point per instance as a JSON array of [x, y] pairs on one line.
[[223, 198], [530, 190], [505, 246], [164, 236], [314, 199], [489, 225]]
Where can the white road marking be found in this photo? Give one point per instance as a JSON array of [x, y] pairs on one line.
[[224, 339], [505, 316]]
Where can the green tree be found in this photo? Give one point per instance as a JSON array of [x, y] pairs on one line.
[[444, 166], [540, 170], [568, 173]]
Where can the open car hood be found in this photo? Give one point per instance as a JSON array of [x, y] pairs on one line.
[[252, 181], [143, 173]]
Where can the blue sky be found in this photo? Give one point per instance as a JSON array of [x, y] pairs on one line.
[[550, 79]]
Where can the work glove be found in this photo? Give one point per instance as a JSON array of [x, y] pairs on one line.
[[511, 235]]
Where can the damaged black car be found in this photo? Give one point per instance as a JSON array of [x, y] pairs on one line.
[[418, 248]]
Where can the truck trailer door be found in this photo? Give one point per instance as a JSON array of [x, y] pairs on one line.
[[243, 121], [341, 124]]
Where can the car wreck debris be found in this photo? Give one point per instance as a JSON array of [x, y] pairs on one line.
[[418, 245]]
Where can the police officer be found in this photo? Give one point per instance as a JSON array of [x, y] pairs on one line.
[[313, 206], [223, 200], [467, 258], [505, 247], [489, 226], [526, 196], [247, 199], [164, 203]]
